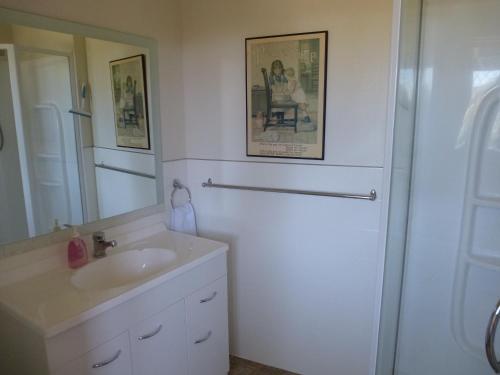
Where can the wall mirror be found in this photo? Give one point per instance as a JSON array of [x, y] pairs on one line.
[[79, 125]]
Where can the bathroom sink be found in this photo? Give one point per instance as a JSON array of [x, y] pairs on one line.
[[122, 268]]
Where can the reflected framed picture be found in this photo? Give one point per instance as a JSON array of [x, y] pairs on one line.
[[285, 94], [129, 91]]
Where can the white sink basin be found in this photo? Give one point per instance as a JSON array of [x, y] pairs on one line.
[[122, 268]]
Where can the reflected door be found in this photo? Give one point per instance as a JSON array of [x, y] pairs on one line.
[[452, 276], [46, 98]]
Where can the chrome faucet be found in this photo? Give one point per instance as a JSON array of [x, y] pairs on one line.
[[100, 244]]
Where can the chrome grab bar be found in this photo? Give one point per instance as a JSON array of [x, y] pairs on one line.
[[490, 339], [107, 362], [149, 335], [371, 197]]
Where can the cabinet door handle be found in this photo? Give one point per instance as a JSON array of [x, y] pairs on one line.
[[149, 335], [207, 336], [208, 299], [107, 362], [490, 339]]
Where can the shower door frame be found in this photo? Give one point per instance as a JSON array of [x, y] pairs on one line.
[[21, 143], [395, 262]]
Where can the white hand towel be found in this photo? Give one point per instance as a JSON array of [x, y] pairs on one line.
[[183, 219]]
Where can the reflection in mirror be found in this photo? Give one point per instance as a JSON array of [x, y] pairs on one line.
[[75, 125]]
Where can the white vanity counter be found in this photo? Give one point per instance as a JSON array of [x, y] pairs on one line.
[[50, 303], [65, 323]]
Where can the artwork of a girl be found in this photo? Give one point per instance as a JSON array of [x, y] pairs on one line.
[[278, 83], [297, 93], [277, 76]]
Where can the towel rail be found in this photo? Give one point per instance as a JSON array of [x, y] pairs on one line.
[[123, 170], [371, 197], [178, 186]]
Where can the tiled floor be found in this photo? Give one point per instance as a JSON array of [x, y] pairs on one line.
[[243, 367]]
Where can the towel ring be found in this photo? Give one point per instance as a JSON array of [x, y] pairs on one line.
[[178, 186]]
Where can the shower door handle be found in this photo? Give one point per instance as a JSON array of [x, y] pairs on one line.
[[490, 339]]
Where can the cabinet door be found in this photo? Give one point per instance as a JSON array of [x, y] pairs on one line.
[[208, 348], [111, 358], [159, 343]]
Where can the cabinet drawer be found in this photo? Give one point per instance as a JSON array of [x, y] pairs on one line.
[[159, 343], [111, 358], [208, 348]]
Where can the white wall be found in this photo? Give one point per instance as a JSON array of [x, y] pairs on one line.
[[304, 271], [213, 34]]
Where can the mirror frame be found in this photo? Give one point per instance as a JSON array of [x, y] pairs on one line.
[[10, 16]]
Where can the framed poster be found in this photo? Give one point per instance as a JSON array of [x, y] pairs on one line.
[[286, 92], [129, 91]]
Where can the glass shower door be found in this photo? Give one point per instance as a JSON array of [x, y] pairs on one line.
[[452, 271]]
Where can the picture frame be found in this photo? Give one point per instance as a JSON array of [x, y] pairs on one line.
[[286, 79], [130, 102]]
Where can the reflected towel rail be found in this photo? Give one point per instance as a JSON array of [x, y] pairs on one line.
[[80, 113], [123, 170], [371, 197]]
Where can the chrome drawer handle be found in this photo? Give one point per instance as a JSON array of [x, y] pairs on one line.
[[209, 298], [204, 338], [490, 339], [105, 363], [149, 335]]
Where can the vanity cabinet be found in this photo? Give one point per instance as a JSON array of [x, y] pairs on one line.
[[189, 337], [177, 326]]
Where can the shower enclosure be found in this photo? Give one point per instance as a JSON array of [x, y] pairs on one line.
[[442, 274], [40, 184]]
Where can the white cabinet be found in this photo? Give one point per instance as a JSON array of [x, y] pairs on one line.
[[111, 358], [177, 327], [159, 343], [208, 330]]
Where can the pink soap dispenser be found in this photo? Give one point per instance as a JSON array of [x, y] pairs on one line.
[[77, 251]]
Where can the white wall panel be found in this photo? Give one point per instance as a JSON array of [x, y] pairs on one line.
[[135, 161], [119, 192], [303, 269]]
